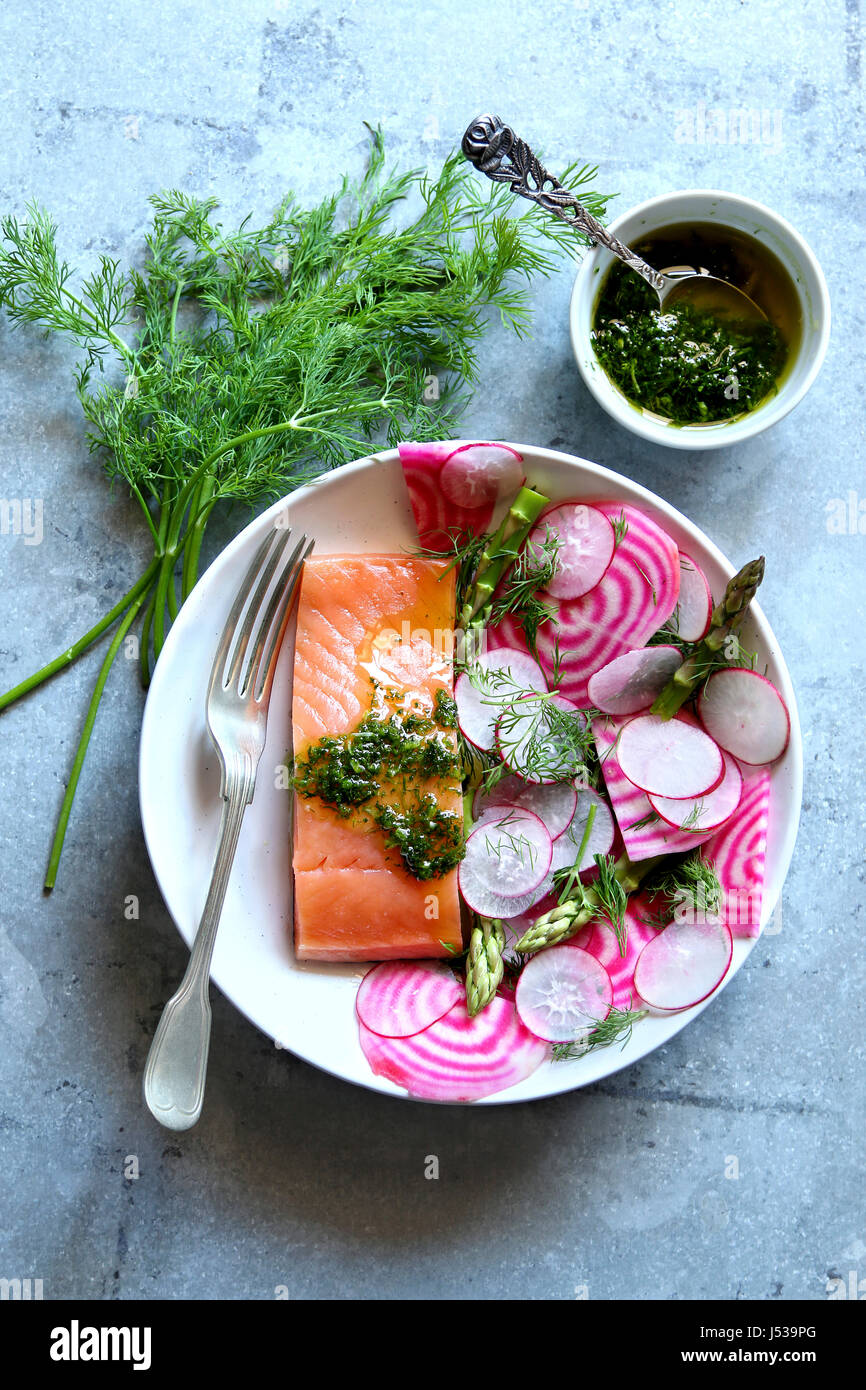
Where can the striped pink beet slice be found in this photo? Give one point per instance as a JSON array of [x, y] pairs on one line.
[[599, 939], [643, 831], [458, 1058], [738, 854], [438, 517], [401, 997], [636, 595]]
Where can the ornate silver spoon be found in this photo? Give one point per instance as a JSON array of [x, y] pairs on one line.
[[496, 151]]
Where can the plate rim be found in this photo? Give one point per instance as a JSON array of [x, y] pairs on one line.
[[658, 505]]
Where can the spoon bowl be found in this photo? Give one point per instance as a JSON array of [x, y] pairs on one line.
[[708, 295]]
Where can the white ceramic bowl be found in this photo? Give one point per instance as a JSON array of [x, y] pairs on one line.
[[309, 1008], [765, 226]]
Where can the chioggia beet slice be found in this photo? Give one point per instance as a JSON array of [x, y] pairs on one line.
[[401, 997], [738, 852], [459, 1058]]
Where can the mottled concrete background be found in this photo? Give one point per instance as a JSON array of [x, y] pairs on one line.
[[293, 1178]]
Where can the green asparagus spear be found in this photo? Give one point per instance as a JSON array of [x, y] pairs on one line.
[[484, 967], [577, 911], [726, 619], [502, 548]]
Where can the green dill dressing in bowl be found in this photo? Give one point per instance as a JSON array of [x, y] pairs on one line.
[[688, 365]]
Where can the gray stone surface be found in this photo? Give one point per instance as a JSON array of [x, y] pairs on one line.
[[294, 1178]]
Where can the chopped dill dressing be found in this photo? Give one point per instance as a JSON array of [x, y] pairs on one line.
[[687, 365], [384, 771]]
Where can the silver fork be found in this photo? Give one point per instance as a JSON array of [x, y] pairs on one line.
[[237, 718]]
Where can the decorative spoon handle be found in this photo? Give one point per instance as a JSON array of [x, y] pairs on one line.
[[496, 151]]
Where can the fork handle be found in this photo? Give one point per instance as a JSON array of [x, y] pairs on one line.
[[174, 1077]]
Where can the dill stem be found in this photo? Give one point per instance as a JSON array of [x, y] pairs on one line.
[[72, 653], [144, 641], [171, 594], [83, 742], [200, 510], [146, 510]]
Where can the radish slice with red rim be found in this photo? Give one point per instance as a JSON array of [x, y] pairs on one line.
[[553, 802], [496, 679], [509, 909], [477, 475], [683, 965], [586, 544], [533, 743], [632, 681], [505, 858], [669, 757], [566, 846], [706, 812], [691, 617], [563, 993], [458, 1058], [746, 715], [401, 997]]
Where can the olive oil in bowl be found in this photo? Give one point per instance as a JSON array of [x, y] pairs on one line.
[[690, 366]]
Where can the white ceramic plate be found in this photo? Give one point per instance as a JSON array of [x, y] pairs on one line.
[[309, 1008]]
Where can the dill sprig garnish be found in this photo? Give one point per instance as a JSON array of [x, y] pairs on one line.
[[533, 569], [617, 1027], [684, 883], [233, 366]]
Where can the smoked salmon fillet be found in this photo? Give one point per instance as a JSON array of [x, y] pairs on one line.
[[373, 658]]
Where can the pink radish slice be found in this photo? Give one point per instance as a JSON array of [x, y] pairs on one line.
[[695, 604], [631, 682], [563, 993], [476, 475], [505, 858], [643, 832], [497, 678], [508, 909], [685, 963], [526, 743], [458, 1058], [738, 851], [704, 812], [554, 803], [746, 715], [400, 997], [586, 544], [669, 757], [634, 598], [600, 940], [566, 846]]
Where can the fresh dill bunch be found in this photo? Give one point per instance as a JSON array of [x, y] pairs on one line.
[[234, 365], [616, 1028]]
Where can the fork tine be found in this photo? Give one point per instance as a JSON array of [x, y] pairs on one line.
[[249, 626], [261, 673], [231, 623]]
